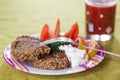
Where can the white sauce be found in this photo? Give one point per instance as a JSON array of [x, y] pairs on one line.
[[75, 55]]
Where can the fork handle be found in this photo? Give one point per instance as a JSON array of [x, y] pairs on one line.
[[110, 53]]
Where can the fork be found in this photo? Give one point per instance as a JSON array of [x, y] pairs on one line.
[[64, 39]]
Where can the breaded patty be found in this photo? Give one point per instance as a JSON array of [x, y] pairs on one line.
[[27, 48], [54, 61]]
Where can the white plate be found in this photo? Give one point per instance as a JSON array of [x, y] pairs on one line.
[[11, 61]]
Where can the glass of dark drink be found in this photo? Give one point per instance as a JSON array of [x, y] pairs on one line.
[[100, 19]]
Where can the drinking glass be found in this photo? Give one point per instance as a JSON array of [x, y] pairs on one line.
[[100, 19]]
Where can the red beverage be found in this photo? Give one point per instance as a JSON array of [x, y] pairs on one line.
[[100, 19]]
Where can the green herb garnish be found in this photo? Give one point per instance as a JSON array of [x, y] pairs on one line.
[[55, 46]]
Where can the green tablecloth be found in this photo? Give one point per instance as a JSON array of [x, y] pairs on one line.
[[18, 17]]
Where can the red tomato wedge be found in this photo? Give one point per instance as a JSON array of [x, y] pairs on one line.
[[46, 33], [73, 32], [57, 29]]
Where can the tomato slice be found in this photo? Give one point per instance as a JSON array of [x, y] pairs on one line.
[[57, 29], [44, 33], [73, 32], [76, 32]]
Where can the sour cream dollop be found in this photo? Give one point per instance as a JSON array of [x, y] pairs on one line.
[[76, 56]]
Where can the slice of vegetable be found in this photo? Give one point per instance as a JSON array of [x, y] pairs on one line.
[[57, 29], [76, 32], [73, 32], [82, 42], [93, 44], [46, 33]]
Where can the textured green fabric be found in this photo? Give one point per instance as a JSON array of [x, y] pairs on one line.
[[18, 17]]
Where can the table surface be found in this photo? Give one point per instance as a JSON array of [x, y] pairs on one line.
[[26, 17]]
